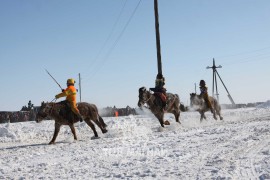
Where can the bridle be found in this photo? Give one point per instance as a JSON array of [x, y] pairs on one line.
[[145, 101]]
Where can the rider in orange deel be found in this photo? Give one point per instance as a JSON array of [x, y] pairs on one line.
[[70, 94], [204, 94]]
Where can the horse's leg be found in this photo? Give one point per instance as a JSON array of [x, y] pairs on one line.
[[56, 131], [103, 129], [219, 114], [202, 116], [220, 117], [102, 121], [160, 118], [177, 116], [73, 131], [161, 122], [91, 125], [214, 114]]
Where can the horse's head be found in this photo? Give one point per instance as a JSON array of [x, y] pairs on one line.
[[43, 111], [142, 96], [195, 100]]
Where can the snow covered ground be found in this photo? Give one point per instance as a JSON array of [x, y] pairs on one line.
[[135, 147]]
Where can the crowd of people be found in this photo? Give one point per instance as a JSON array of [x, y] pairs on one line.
[[27, 113], [17, 116]]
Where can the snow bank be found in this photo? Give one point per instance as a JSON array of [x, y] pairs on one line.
[[5, 134]]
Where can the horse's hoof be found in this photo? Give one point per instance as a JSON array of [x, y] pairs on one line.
[[166, 122], [104, 131], [221, 118], [50, 143], [94, 137]]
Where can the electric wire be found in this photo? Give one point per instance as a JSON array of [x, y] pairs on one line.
[[108, 37], [114, 44]]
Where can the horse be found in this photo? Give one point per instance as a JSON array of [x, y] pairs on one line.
[[201, 106], [173, 105], [59, 112]]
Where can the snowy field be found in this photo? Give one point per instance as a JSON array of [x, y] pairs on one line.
[[135, 147]]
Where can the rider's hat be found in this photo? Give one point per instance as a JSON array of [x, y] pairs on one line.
[[202, 83], [70, 81]]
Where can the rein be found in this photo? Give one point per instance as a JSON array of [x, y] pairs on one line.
[[52, 105], [146, 102], [148, 99]]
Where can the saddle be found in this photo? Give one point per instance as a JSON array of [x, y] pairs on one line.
[[66, 112]]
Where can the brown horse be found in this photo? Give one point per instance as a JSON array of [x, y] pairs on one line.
[[56, 110], [201, 106], [173, 104]]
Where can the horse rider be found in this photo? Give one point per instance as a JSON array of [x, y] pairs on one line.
[[159, 89], [70, 94], [204, 95]]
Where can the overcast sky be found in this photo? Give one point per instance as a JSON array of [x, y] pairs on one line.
[[112, 45]]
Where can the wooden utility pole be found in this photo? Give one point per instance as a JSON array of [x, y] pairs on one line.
[[80, 89], [215, 73], [157, 38]]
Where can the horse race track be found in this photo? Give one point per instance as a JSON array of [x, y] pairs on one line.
[[135, 147]]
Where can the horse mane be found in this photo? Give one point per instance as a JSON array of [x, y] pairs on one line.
[[142, 89]]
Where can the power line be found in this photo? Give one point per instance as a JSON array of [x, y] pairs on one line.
[[259, 57], [116, 41], [245, 52], [109, 36]]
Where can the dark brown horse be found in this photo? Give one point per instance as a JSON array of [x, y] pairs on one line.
[[201, 106], [57, 111], [173, 104]]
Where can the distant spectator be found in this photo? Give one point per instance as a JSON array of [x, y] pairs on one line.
[[30, 105]]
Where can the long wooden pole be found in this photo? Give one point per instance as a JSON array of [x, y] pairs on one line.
[[157, 38], [80, 88]]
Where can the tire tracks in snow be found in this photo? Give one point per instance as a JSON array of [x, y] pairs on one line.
[[234, 157]]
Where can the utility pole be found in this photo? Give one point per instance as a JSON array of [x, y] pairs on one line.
[[215, 73], [157, 37], [80, 89]]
